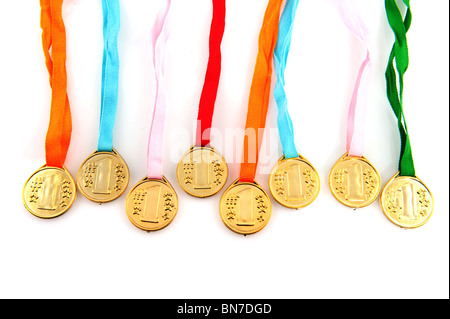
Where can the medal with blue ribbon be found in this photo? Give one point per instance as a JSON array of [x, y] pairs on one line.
[[293, 182], [104, 175]]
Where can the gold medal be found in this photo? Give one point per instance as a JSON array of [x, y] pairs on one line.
[[103, 177], [152, 204], [407, 202], [294, 182], [354, 181], [49, 192], [202, 172], [245, 208]]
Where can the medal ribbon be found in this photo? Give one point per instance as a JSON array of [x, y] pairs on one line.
[[211, 84], [156, 138], [110, 74], [260, 91], [54, 46], [358, 104], [285, 126], [399, 53]]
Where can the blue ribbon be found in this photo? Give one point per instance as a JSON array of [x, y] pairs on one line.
[[110, 74], [285, 127]]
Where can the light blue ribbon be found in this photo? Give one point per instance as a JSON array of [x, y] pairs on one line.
[[285, 127], [110, 74]]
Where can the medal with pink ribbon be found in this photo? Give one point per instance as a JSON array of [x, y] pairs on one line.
[[153, 203], [353, 180]]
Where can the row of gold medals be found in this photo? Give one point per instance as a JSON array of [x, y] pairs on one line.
[[245, 208]]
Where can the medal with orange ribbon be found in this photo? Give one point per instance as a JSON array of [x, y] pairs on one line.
[[51, 190], [245, 207]]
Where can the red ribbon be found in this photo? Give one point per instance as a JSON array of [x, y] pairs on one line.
[[211, 84]]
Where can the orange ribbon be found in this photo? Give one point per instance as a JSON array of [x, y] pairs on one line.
[[258, 104], [54, 46]]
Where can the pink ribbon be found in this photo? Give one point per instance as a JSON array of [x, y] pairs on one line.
[[358, 104], [155, 149]]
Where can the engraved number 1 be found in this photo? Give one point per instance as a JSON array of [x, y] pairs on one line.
[[245, 211], [49, 192], [294, 181], [355, 185], [202, 180], [103, 177], [151, 205], [407, 202]]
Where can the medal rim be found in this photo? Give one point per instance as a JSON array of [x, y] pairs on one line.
[[252, 184], [301, 159], [414, 178], [102, 201], [191, 150], [365, 160], [163, 181], [42, 168]]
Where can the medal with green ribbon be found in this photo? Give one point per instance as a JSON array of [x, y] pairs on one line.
[[405, 199]]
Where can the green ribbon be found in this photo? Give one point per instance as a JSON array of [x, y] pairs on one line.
[[399, 53]]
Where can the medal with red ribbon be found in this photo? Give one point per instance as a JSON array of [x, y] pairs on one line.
[[203, 172]]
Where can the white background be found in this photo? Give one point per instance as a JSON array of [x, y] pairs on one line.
[[322, 251]]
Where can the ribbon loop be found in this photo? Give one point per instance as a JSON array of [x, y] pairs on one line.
[[54, 46], [399, 53], [358, 104], [258, 103], [212, 77], [110, 74], [156, 139], [285, 126]]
